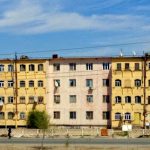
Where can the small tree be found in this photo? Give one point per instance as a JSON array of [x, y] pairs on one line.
[[39, 120]]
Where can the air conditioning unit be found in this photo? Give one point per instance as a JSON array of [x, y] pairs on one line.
[[35, 99], [90, 87]]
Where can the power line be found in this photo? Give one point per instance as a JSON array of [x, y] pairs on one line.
[[79, 48]]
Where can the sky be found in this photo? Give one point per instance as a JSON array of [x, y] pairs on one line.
[[40, 28]]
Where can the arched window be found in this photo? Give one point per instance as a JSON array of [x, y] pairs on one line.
[[31, 83], [22, 67], [117, 116], [22, 99], [127, 116], [1, 115], [117, 82], [137, 82], [1, 68], [22, 115], [118, 99], [128, 99], [10, 68], [138, 99], [22, 83], [10, 115], [40, 67], [40, 83], [31, 67]]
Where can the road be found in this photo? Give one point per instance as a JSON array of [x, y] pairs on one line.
[[84, 141]]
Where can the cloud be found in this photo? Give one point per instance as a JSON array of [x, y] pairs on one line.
[[31, 18]]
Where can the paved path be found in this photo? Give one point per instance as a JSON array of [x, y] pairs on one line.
[[82, 141]]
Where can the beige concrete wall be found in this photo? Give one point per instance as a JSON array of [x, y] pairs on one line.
[[81, 106]]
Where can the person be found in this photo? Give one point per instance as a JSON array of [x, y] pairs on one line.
[[9, 132]]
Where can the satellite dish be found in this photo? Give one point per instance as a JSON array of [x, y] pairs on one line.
[[134, 53], [121, 54], [56, 84], [1, 103]]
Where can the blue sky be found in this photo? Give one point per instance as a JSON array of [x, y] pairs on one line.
[[41, 25]]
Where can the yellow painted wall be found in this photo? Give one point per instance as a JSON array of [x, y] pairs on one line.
[[22, 91]]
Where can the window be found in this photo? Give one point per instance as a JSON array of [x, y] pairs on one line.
[[73, 98], [22, 67], [89, 115], [137, 66], [40, 67], [22, 116], [1, 68], [105, 98], [56, 67], [127, 116], [148, 100], [106, 115], [31, 67], [56, 99], [22, 99], [10, 99], [128, 99], [89, 66], [40, 83], [72, 66], [56, 83], [118, 66], [118, 99], [31, 83], [22, 83], [137, 83], [89, 82], [117, 82], [105, 66], [10, 83], [105, 82], [89, 98], [56, 114], [31, 99], [148, 82], [1, 115], [138, 99], [1, 83], [40, 99], [117, 116], [127, 66], [10, 115], [2, 100], [72, 82], [10, 68], [72, 115]]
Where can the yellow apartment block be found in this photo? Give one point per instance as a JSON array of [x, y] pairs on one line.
[[128, 99], [22, 88]]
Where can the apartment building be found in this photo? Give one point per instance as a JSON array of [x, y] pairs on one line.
[[22, 88], [79, 91], [130, 95]]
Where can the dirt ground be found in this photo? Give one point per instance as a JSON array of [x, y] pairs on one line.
[[75, 147]]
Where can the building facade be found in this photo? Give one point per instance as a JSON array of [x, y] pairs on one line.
[[22, 88], [79, 91], [130, 91]]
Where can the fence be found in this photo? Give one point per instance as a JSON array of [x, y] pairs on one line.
[[24, 132], [55, 132]]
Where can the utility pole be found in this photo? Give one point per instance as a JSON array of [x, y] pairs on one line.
[[144, 90], [16, 89]]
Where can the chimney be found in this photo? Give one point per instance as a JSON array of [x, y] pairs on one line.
[[55, 56]]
